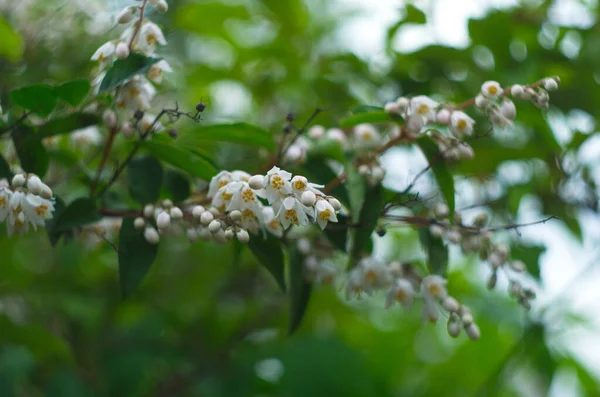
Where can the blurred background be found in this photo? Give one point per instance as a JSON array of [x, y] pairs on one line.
[[208, 321]]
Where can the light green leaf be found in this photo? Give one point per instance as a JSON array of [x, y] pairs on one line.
[[136, 256], [241, 133], [366, 117], [123, 70], [299, 290], [39, 98], [269, 254], [73, 92], [366, 109], [144, 175], [66, 124], [442, 176], [11, 45], [328, 148]]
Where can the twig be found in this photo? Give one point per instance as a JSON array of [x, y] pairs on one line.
[[284, 148], [15, 124], [105, 154], [138, 25]]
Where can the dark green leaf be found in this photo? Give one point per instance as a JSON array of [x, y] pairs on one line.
[[178, 185], [366, 117], [317, 171], [39, 98], [442, 176], [123, 70], [412, 15], [11, 45], [337, 233], [366, 109], [80, 212], [435, 250], [530, 255], [369, 215], [299, 290], [328, 148], [144, 175], [66, 124], [73, 92], [136, 256], [53, 234], [5, 171], [356, 185], [31, 151], [183, 159], [269, 254], [242, 133]]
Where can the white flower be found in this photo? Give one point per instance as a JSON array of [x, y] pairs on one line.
[[461, 124], [136, 94], [218, 181], [292, 212], [324, 213], [356, 282], [37, 210], [491, 89], [250, 220], [156, 71], [434, 287], [5, 196], [240, 176], [430, 309], [402, 291], [375, 274], [366, 136], [423, 106], [150, 37], [122, 50], [239, 196], [105, 53], [277, 183], [84, 137], [316, 131], [272, 224], [126, 15], [337, 135]]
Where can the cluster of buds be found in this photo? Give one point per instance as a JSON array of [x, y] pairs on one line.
[[403, 286], [272, 202], [158, 220], [476, 238], [141, 36], [26, 201], [369, 167], [451, 148], [318, 255], [212, 225]]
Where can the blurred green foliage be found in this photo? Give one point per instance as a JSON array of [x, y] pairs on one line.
[[207, 321]]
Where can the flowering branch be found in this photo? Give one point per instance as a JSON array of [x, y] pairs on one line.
[[138, 24]]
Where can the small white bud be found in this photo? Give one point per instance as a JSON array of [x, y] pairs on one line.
[[443, 117], [481, 219], [403, 104], [148, 210], [465, 151], [415, 123], [363, 169], [481, 102], [18, 180], [243, 236], [126, 15], [214, 226], [229, 233], [304, 246], [198, 211], [308, 198], [167, 203], [467, 318], [453, 236], [518, 266], [550, 84], [34, 184], [256, 182], [163, 220], [316, 131], [204, 234], [109, 118], [46, 192], [235, 215], [151, 235], [162, 6], [139, 223], [450, 304], [191, 234], [335, 203], [472, 331], [206, 217], [214, 211], [219, 236], [392, 108], [378, 173], [508, 109], [176, 213], [436, 230], [453, 326], [441, 210], [127, 130], [122, 50], [518, 92]]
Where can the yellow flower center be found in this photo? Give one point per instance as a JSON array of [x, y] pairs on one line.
[[324, 215], [423, 109], [248, 213], [462, 124], [277, 182], [41, 210], [248, 195], [151, 39], [290, 215], [371, 276], [299, 185], [226, 196], [274, 224], [367, 136], [401, 296], [3, 202], [492, 90], [134, 91], [222, 183], [17, 209], [434, 290]]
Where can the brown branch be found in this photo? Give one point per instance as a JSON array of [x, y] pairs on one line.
[[138, 25], [107, 148]]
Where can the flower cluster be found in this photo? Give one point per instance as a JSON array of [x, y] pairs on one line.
[[141, 36], [161, 216], [403, 286], [26, 201], [476, 238]]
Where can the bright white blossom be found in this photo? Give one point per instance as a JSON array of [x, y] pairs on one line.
[[461, 124], [424, 107], [324, 213], [491, 89]]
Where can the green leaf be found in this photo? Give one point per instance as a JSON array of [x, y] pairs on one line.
[[337, 233], [435, 250], [66, 124], [178, 185], [242, 133], [186, 160], [328, 148], [32, 153], [367, 117], [73, 92], [369, 215], [144, 175], [269, 254], [442, 176], [136, 256], [11, 45], [39, 98], [123, 70], [530, 255], [299, 290], [53, 234], [356, 186], [366, 109], [5, 171], [81, 211]]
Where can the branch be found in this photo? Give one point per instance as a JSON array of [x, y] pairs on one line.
[[105, 154], [15, 124], [138, 25]]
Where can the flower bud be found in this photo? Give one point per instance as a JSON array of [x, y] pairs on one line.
[[308, 198], [235, 215], [122, 50], [481, 102], [109, 118], [229, 233], [443, 117], [148, 210], [467, 318], [472, 331], [550, 84], [219, 236], [363, 169], [34, 185], [167, 203], [518, 266], [256, 182], [403, 104], [163, 220], [18, 180], [415, 123], [316, 131], [126, 15], [197, 211], [162, 6], [377, 173], [441, 210], [453, 326], [191, 234], [243, 236], [508, 109], [436, 230], [46, 192], [204, 234], [139, 223], [465, 151], [450, 304], [151, 235], [214, 211], [127, 130], [518, 92], [453, 236], [176, 213], [392, 108], [214, 226], [335, 203]]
